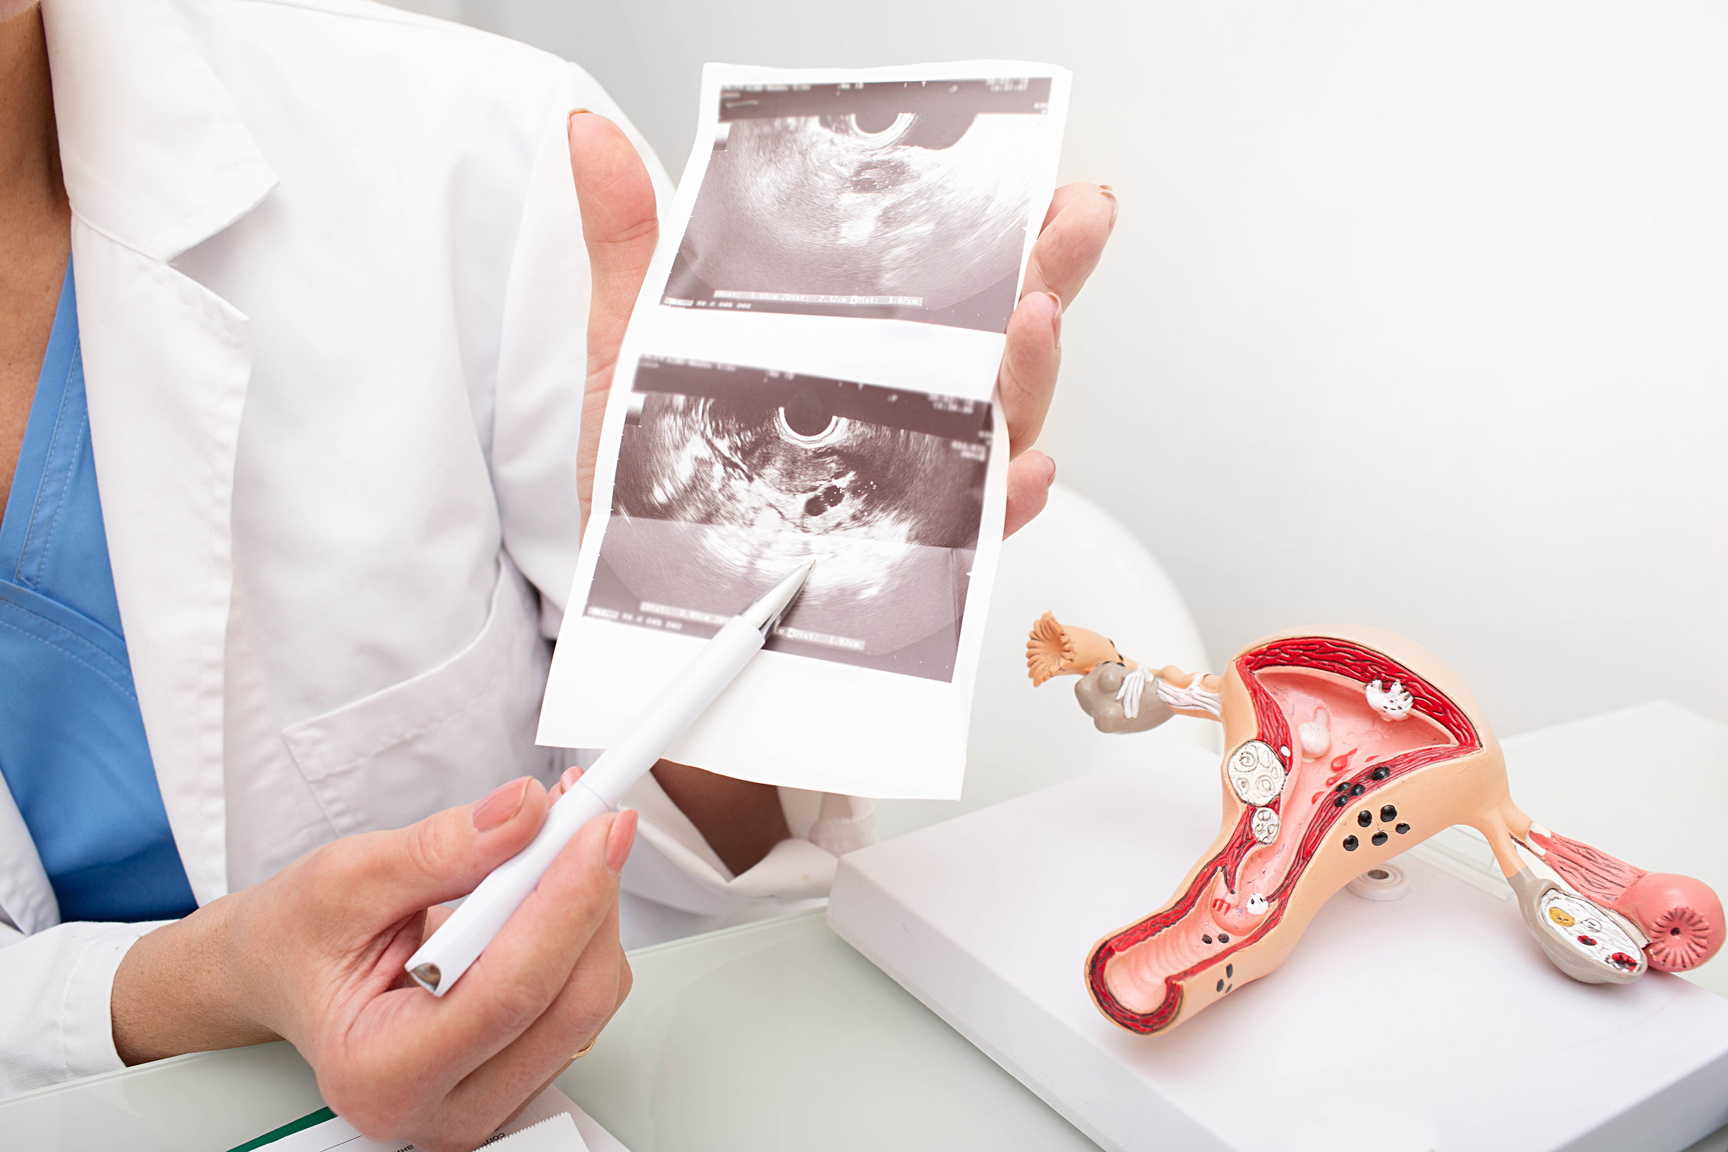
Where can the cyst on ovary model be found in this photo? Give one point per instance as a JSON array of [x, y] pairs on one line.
[[1345, 747]]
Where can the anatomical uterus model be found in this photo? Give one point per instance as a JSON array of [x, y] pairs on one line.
[[1346, 746]]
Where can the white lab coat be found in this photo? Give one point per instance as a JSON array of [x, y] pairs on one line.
[[332, 299]]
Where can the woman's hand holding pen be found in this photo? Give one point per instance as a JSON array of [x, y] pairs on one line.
[[315, 955]]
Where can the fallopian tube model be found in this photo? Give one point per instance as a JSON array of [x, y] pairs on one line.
[[1347, 746]]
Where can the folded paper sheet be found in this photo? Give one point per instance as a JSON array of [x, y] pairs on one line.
[[808, 375]]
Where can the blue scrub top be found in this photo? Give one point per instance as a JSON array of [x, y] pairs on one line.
[[72, 746]]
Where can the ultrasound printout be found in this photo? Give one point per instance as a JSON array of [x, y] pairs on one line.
[[808, 375], [729, 478], [905, 199]]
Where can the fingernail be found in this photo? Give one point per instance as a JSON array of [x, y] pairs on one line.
[[1115, 205], [504, 802], [575, 112], [571, 775], [1055, 318], [619, 838], [1051, 478]]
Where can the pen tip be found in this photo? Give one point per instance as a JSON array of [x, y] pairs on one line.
[[765, 613]]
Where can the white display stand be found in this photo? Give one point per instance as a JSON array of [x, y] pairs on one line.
[[1427, 1022]]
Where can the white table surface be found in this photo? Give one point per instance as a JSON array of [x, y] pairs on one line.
[[777, 1035]]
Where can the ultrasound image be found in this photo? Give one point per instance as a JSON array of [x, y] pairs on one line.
[[729, 478], [904, 200]]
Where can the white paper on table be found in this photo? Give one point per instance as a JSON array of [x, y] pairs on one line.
[[813, 380], [556, 1134], [552, 1122]]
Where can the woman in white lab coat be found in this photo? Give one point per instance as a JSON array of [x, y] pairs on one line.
[[331, 281]]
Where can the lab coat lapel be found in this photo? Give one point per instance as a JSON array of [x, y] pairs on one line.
[[156, 159], [25, 894]]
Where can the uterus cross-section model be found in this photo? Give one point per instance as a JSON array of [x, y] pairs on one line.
[[1345, 747]]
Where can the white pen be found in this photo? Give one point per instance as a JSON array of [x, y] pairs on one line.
[[459, 941]]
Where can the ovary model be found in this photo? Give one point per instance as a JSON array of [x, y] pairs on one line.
[[1345, 747]]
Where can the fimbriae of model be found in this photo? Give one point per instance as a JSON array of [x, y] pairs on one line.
[[1345, 747]]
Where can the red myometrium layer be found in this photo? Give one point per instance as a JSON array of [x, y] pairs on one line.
[[1314, 653]]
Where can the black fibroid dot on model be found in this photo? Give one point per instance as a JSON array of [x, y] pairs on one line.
[[1230, 971], [1358, 789], [1403, 828], [1388, 813], [1207, 938], [1364, 817], [1379, 839], [1380, 773], [1349, 843]]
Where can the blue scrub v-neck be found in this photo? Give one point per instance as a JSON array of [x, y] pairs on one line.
[[72, 744]]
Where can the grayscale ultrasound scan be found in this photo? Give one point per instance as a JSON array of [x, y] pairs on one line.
[[729, 477], [881, 199]]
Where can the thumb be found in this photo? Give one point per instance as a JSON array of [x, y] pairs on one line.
[[386, 876], [619, 227]]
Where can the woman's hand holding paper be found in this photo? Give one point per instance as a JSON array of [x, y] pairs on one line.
[[743, 820], [315, 955]]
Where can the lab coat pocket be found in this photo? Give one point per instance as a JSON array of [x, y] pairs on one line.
[[445, 737]]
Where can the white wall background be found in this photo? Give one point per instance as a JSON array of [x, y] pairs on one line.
[[1416, 315]]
